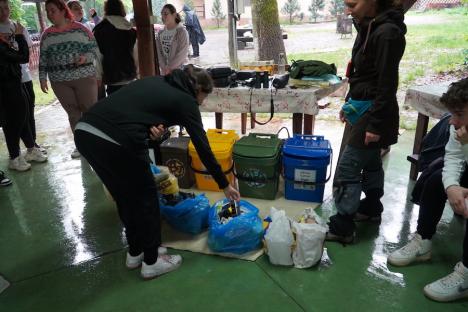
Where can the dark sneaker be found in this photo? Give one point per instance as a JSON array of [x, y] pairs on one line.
[[332, 237], [4, 181]]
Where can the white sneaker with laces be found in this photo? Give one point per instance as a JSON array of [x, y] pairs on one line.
[[417, 249], [164, 264], [35, 154], [19, 164], [451, 287], [135, 262], [75, 154], [42, 149]]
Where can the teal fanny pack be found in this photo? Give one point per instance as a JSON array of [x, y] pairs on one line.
[[353, 109]]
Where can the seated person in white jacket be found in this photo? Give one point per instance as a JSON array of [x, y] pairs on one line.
[[450, 182]]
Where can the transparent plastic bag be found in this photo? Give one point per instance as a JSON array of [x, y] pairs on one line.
[[189, 215], [238, 234], [279, 238]]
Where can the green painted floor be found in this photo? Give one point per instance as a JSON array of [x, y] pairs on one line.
[[62, 249]]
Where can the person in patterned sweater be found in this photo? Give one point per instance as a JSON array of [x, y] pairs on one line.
[[67, 58]]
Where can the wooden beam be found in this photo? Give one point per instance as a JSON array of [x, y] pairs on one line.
[[145, 35]]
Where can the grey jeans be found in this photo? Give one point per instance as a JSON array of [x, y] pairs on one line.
[[358, 170]]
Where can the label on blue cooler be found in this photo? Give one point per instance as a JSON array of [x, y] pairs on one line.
[[302, 175]]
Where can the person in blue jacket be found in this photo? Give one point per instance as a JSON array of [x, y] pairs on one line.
[[196, 35]]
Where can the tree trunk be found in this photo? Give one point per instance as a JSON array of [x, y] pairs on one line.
[[268, 37]]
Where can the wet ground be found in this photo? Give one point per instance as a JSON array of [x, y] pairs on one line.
[[62, 247]]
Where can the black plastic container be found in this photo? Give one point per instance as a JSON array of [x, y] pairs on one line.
[[174, 155]]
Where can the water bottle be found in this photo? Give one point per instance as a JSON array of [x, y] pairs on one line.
[[281, 64]]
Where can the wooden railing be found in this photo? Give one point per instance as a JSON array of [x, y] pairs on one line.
[[34, 56]]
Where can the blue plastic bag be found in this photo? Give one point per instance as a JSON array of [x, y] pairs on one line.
[[354, 109], [189, 215], [240, 234]]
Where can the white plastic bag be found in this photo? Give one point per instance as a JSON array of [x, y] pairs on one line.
[[279, 238], [309, 241]]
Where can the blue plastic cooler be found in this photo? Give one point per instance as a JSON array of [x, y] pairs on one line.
[[305, 162]]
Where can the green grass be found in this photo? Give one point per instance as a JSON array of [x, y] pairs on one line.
[[451, 11], [41, 97], [435, 48], [430, 48]]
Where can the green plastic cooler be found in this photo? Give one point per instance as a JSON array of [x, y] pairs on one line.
[[257, 163]]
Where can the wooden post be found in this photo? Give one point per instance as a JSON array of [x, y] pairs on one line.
[[309, 124], [297, 123], [40, 16], [145, 35]]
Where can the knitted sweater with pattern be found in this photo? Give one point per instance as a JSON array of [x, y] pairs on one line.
[[61, 48]]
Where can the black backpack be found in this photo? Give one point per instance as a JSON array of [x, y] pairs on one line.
[[433, 144]]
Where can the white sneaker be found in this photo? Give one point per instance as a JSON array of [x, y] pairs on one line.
[[417, 249], [75, 154], [42, 149], [135, 262], [164, 264], [451, 287], [35, 154], [19, 164]]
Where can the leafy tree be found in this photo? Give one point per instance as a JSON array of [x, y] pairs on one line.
[[315, 7], [337, 7], [217, 12], [16, 11], [30, 17], [291, 8]]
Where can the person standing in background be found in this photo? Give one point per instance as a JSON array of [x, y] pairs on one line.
[[13, 98], [194, 30], [172, 42], [67, 55], [116, 39], [96, 18], [8, 26], [78, 14]]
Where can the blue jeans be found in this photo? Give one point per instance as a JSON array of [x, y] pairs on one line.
[[358, 170]]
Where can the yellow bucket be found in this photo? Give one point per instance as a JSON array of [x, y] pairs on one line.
[[221, 143], [222, 134]]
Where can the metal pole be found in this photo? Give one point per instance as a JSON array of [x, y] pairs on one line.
[[232, 29]]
